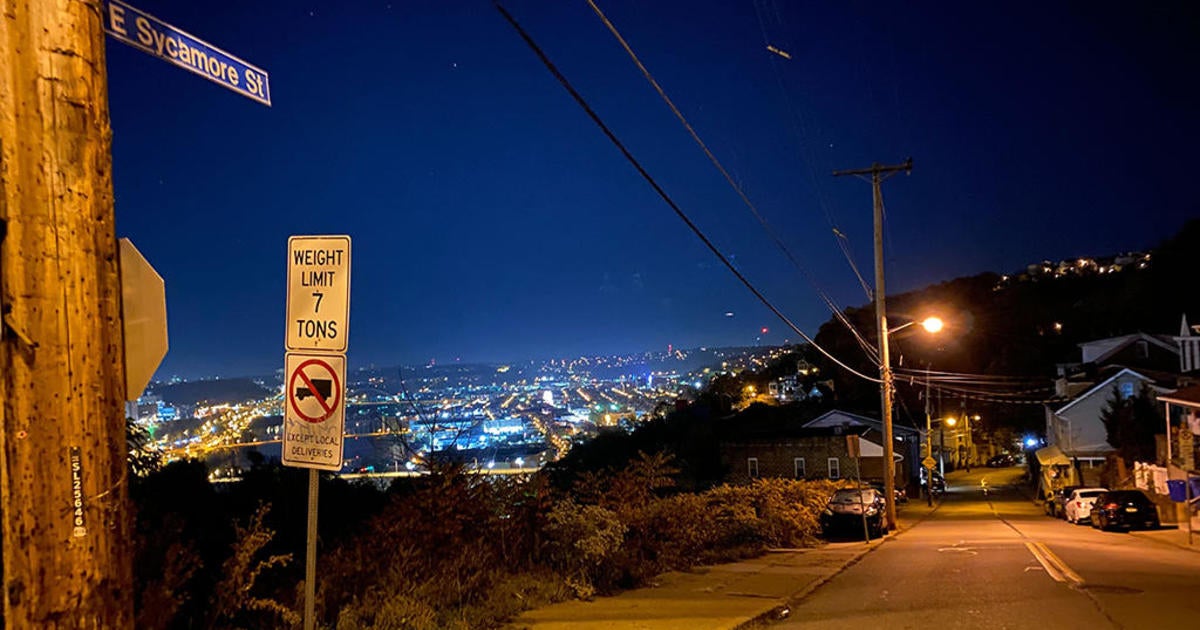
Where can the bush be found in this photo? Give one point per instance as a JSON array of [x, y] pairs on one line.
[[447, 550]]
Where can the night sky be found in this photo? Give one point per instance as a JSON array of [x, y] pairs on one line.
[[492, 221]]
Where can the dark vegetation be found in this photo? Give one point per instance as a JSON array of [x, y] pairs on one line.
[[445, 550]]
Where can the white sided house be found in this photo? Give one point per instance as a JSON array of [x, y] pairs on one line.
[[1076, 428]]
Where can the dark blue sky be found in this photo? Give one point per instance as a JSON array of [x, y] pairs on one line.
[[491, 220]]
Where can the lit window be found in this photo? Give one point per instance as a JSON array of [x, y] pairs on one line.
[[799, 464], [835, 468], [752, 467], [1127, 389]]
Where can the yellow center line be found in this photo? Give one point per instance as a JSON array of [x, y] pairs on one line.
[[1053, 564]]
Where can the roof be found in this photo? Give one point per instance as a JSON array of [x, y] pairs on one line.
[[1188, 396], [838, 418], [1101, 387], [866, 448], [1102, 349]]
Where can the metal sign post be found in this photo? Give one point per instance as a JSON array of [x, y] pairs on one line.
[[854, 449], [317, 323]]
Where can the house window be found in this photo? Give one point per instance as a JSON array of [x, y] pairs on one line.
[[752, 467], [799, 464], [835, 468], [1127, 389], [1143, 349]]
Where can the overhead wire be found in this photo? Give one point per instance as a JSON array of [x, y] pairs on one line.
[[541, 55], [1018, 396], [807, 157], [870, 350]]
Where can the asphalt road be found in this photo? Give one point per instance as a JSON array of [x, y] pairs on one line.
[[996, 561]]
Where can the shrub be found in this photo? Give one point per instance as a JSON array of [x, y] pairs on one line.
[[233, 601], [580, 540]]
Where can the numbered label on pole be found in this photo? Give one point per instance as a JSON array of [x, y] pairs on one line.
[[318, 293], [314, 411]]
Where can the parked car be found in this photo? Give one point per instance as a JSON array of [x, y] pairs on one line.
[[1001, 461], [1057, 500], [1125, 509], [939, 482], [901, 494], [844, 513], [1078, 507]]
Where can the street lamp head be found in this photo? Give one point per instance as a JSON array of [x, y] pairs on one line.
[[951, 421], [932, 324]]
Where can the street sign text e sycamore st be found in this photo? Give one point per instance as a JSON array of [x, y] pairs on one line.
[[155, 37]]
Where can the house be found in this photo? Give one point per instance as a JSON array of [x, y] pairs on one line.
[[1138, 350], [907, 447], [786, 389], [791, 387], [1188, 342], [773, 445], [1182, 447], [820, 453], [1076, 427], [1161, 357]]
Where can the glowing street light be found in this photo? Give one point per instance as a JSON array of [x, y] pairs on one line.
[[932, 324]]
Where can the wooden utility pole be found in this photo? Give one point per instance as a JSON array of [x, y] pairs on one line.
[[878, 173], [67, 544]]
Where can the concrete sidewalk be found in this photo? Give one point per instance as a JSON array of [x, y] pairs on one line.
[[723, 596], [1174, 534]]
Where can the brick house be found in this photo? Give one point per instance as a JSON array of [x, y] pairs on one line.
[[803, 453], [817, 449]]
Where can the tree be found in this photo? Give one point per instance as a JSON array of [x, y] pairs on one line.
[[143, 459], [1130, 423]]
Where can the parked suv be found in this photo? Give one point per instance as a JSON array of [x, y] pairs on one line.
[[1078, 507], [1124, 508]]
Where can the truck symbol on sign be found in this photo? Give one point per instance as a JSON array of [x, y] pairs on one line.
[[324, 388]]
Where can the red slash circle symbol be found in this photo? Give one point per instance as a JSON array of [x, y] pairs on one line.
[[326, 391]]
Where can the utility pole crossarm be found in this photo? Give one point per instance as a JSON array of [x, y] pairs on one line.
[[877, 169]]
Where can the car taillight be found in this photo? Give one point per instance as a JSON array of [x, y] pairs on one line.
[[1111, 506]]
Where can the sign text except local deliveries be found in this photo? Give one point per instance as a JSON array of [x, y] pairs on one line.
[[314, 411], [151, 35], [318, 299]]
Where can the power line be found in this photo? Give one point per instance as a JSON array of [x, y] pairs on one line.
[[736, 188], [807, 157], [662, 193]]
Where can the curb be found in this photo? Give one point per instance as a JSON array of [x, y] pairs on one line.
[[1161, 541], [791, 601], [781, 610]]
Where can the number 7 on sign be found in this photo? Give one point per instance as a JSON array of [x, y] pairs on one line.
[[319, 296]]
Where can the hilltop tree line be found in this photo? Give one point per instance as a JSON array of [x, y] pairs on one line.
[[1019, 328]]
